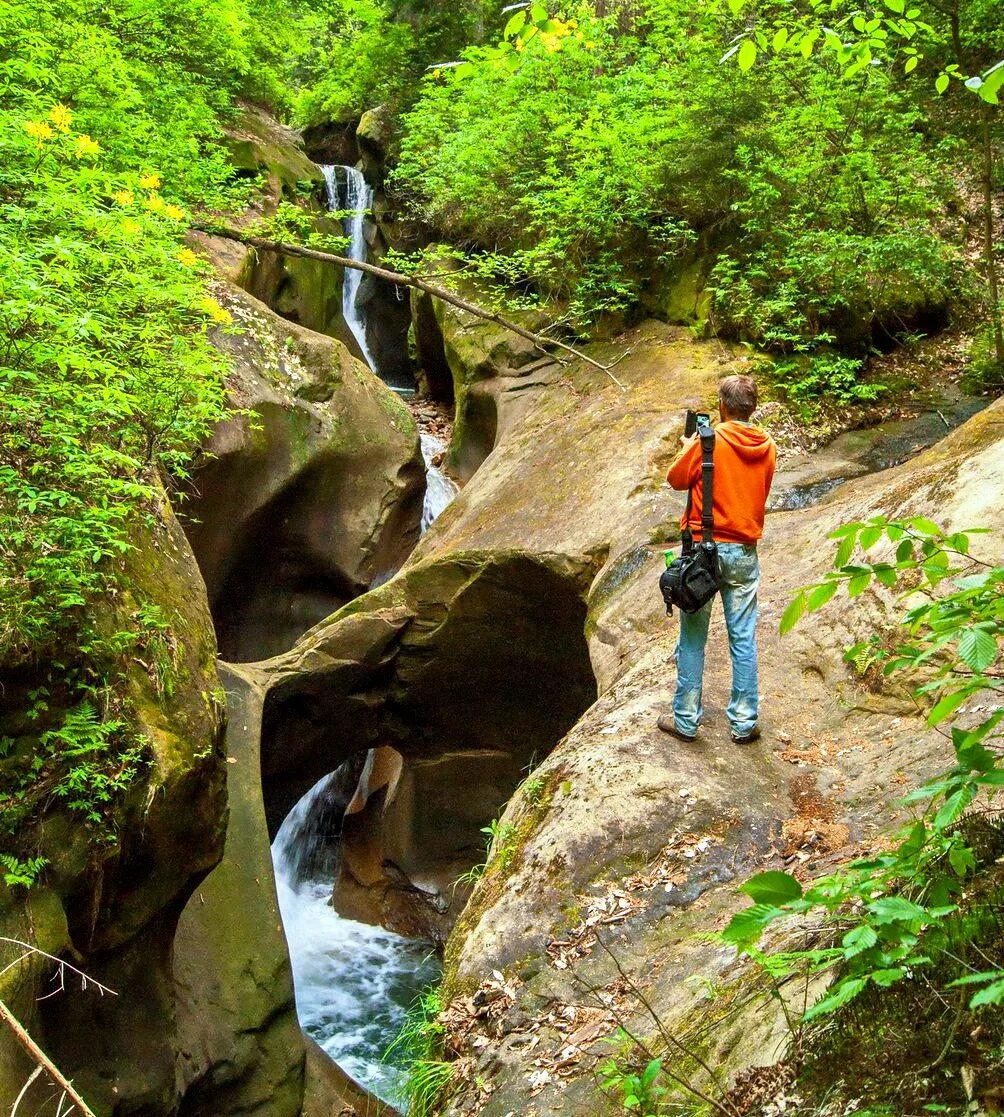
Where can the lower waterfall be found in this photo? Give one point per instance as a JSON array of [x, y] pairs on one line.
[[354, 983]]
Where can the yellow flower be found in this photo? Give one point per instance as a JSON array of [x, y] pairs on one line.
[[61, 116], [215, 311], [188, 257], [87, 148], [154, 203], [149, 182], [131, 227], [39, 130], [124, 197], [176, 213]]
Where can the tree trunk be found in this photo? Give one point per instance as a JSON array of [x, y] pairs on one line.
[[993, 284]]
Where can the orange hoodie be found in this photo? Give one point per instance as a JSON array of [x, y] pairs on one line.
[[744, 469]]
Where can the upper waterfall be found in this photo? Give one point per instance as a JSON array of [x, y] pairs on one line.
[[349, 192]]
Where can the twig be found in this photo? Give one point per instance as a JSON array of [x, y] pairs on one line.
[[62, 967], [544, 344], [43, 1061], [671, 1040], [24, 1089]]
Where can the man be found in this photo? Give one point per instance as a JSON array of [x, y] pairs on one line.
[[744, 468]]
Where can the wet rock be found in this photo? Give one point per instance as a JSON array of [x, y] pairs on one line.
[[312, 490], [112, 906], [467, 669]]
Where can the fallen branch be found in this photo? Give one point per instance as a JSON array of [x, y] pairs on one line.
[[544, 344], [43, 1062]]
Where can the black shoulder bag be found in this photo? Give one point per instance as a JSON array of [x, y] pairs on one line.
[[691, 581]]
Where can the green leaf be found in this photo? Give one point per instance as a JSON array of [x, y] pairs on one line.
[[794, 613], [897, 6], [991, 995], [947, 706], [747, 55], [895, 909], [942, 82], [821, 594], [772, 887], [870, 536], [885, 978], [951, 810], [859, 939], [780, 38], [858, 584], [516, 24], [962, 860], [977, 648], [844, 991], [745, 927], [844, 551], [904, 552], [538, 12]]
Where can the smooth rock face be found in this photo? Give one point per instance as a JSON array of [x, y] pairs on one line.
[[466, 669], [313, 490], [240, 1049], [113, 907], [636, 842]]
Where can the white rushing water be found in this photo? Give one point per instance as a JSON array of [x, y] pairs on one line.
[[349, 191], [439, 489], [354, 983]]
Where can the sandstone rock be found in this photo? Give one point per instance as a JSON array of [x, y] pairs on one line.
[[112, 906], [313, 489], [465, 668], [496, 374], [643, 840], [374, 135], [240, 1050]]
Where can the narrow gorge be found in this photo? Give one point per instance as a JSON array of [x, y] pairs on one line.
[[331, 645]]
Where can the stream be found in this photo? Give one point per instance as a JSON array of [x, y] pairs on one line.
[[354, 982]]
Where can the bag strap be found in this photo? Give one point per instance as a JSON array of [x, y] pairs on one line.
[[708, 479], [707, 494]]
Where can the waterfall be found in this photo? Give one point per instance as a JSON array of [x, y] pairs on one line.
[[439, 489], [356, 197], [354, 983]]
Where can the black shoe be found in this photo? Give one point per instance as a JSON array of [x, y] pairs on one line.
[[747, 738], [668, 725]]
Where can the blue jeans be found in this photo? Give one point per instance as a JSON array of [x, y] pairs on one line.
[[740, 577]]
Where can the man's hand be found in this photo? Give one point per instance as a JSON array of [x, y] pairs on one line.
[[686, 442]]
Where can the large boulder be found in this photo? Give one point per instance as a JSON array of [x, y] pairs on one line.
[[310, 491], [111, 896], [644, 840], [454, 676]]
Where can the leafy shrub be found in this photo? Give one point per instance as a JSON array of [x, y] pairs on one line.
[[599, 153], [886, 916]]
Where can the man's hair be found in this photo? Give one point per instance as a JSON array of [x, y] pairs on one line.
[[738, 396]]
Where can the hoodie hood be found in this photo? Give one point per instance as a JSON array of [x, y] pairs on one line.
[[750, 443]]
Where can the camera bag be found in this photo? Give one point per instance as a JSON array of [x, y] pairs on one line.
[[690, 581]]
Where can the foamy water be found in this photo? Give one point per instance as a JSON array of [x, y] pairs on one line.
[[354, 983]]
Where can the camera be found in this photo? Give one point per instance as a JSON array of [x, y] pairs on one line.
[[695, 419]]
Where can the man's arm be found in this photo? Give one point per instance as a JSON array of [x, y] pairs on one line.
[[771, 461], [686, 465]]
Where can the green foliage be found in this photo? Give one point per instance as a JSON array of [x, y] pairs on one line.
[[21, 874], [499, 852], [639, 1092], [584, 149], [357, 54], [889, 915], [419, 1046], [109, 135]]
